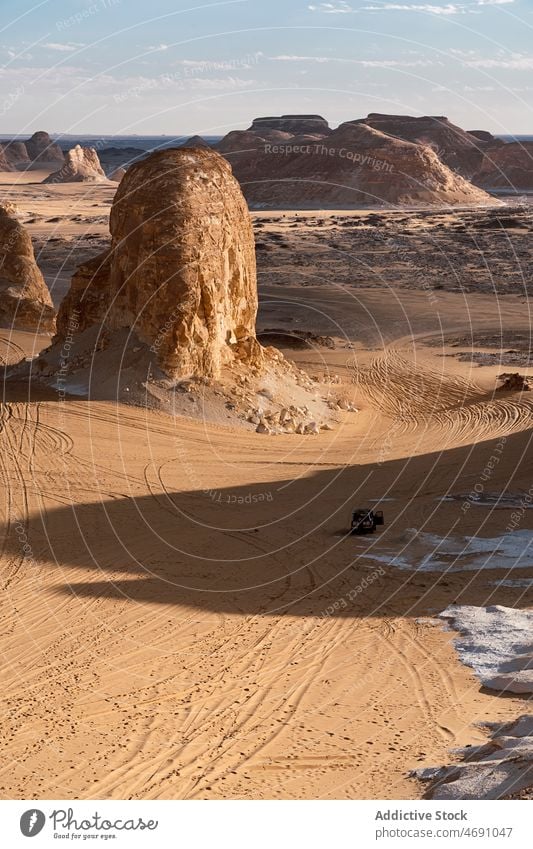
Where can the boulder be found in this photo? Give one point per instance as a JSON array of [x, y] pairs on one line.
[[514, 382], [180, 272], [42, 150], [81, 165], [25, 302]]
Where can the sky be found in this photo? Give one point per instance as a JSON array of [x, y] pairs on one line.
[[189, 66]]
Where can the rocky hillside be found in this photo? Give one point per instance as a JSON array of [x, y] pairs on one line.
[[356, 165]]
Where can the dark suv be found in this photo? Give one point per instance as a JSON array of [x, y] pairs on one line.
[[364, 521]]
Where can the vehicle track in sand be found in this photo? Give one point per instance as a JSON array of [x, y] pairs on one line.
[[417, 398]]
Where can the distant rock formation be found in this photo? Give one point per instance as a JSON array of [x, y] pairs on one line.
[[293, 124], [196, 141], [459, 150], [180, 272], [117, 175], [240, 140], [112, 158], [5, 164], [507, 166], [356, 165], [42, 150], [484, 136], [16, 154], [81, 165], [25, 302]]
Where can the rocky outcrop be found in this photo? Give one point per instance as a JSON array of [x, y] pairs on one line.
[[507, 166], [42, 150], [293, 124], [25, 302], [514, 382], [16, 154], [81, 165], [354, 166], [180, 273], [238, 141], [5, 164], [484, 136], [196, 141], [459, 150]]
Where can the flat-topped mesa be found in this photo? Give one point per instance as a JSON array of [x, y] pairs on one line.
[[25, 302], [294, 124], [42, 150], [81, 165], [181, 271], [459, 150]]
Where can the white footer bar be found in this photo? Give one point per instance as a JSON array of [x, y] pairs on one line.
[[267, 824]]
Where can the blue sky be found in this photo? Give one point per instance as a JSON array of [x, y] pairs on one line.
[[187, 66]]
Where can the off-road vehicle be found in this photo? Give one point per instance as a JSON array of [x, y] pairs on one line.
[[365, 520]]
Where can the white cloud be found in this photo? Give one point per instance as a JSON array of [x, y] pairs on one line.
[[157, 48], [509, 62], [333, 8], [365, 63], [69, 47], [516, 63], [472, 7]]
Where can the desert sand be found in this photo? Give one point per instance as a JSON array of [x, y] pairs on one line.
[[184, 615]]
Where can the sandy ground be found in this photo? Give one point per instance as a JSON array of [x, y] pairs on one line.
[[183, 615]]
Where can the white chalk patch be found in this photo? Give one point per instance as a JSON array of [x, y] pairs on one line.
[[499, 500], [497, 643], [498, 769], [71, 388], [515, 583], [423, 552]]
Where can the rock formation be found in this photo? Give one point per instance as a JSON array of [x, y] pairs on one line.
[[5, 164], [117, 175], [507, 166], [42, 150], [514, 382], [238, 141], [81, 165], [459, 150], [180, 272], [293, 124], [196, 141], [16, 154], [25, 302], [354, 166]]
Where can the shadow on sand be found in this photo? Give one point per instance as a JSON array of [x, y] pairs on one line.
[[281, 547]]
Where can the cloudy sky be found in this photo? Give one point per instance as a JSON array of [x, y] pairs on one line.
[[188, 66]]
